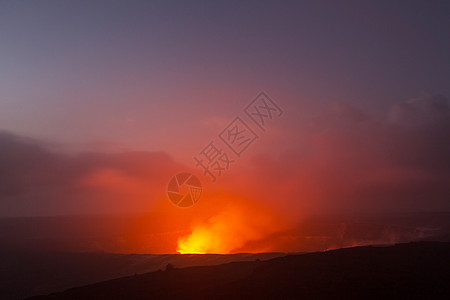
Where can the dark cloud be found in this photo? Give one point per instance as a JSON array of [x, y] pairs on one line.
[[34, 180]]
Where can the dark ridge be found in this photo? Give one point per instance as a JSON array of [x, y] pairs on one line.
[[419, 270]]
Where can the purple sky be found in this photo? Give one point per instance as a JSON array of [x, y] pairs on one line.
[[370, 77]]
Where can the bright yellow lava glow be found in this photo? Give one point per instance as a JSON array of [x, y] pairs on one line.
[[201, 241], [227, 232]]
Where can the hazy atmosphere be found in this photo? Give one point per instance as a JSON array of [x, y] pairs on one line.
[[343, 108]]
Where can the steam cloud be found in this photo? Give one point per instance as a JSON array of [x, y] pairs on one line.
[[346, 160]]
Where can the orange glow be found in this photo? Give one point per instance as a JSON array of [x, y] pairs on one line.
[[229, 231], [201, 241], [210, 237]]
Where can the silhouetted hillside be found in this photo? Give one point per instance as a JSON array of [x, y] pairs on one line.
[[35, 273], [405, 271]]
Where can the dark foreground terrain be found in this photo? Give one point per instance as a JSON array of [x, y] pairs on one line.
[[418, 270], [35, 273]]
